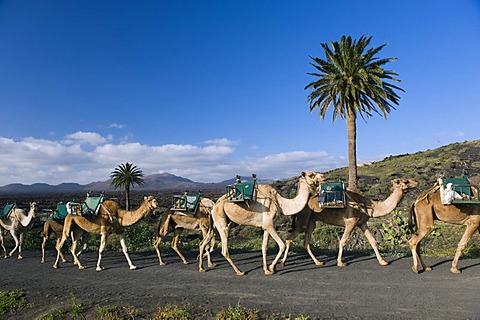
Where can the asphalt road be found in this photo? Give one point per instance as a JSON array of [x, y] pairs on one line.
[[362, 290]]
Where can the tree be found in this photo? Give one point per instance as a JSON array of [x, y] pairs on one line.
[[353, 81], [125, 176]]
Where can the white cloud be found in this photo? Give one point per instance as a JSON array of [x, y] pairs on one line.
[[117, 126], [81, 137], [85, 157]]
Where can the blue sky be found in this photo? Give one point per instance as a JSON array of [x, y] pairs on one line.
[[210, 89]]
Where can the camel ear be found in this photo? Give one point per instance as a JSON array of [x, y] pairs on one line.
[[303, 173], [145, 198]]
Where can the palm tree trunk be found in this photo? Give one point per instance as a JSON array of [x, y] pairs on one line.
[[127, 198], [352, 149]]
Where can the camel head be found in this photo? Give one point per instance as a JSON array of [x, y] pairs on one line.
[[313, 179], [151, 203], [403, 184], [33, 208]]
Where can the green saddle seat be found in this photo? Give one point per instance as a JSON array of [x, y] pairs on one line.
[[186, 202], [60, 212], [92, 205], [7, 210], [332, 195], [241, 191]]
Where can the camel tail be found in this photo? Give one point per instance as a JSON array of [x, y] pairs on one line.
[[412, 219]]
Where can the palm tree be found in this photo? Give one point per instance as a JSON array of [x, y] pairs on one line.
[[125, 176], [353, 81]]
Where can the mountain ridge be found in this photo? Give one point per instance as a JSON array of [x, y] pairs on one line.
[[158, 182]]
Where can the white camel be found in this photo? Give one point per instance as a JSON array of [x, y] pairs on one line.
[[17, 223]]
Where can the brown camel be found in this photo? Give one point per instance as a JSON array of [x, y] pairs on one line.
[[427, 208], [356, 213], [260, 213], [17, 223], [177, 221], [104, 225], [55, 228]]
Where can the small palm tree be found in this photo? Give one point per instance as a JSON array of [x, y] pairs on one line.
[[125, 176], [353, 81]]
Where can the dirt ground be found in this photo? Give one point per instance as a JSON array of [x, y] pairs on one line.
[[362, 290]]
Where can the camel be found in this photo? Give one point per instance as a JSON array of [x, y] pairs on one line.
[[17, 223], [102, 224], [56, 228], [178, 221], [260, 213], [356, 213], [427, 208]]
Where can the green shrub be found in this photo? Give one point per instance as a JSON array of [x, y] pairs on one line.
[[11, 301], [172, 312]]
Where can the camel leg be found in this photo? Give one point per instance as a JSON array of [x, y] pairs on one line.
[[308, 240], [3, 246], [73, 250], [371, 239], [125, 252], [414, 244], [281, 248], [103, 242], [20, 242], [462, 245], [15, 238], [61, 253], [44, 241], [210, 244], [349, 226], [59, 246], [205, 246], [156, 245], [176, 237], [223, 230], [295, 232]]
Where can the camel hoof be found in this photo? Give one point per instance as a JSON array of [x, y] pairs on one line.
[[201, 270], [383, 263], [133, 267], [162, 263], [212, 265], [240, 273], [319, 263], [428, 268], [186, 262], [455, 270], [282, 263], [415, 270], [99, 269], [20, 258], [55, 266], [81, 267], [341, 264]]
